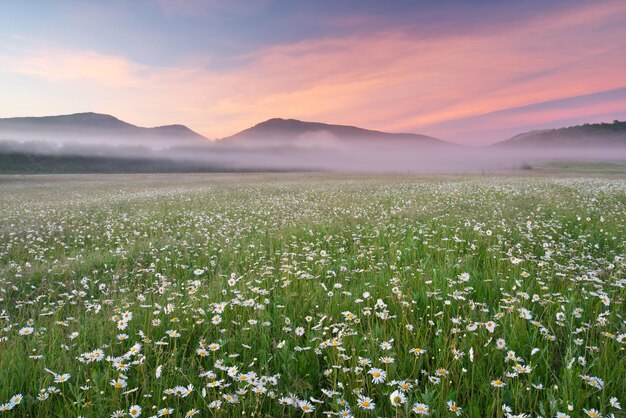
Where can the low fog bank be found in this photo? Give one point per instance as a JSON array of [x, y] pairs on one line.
[[75, 149], [330, 155], [365, 159]]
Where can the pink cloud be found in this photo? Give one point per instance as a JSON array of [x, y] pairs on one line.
[[390, 80], [61, 65], [394, 81]]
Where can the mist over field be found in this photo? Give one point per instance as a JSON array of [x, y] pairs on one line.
[[292, 145], [331, 155]]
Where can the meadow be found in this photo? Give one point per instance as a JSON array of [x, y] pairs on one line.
[[269, 295]]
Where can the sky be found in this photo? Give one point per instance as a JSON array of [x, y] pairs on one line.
[[471, 72]]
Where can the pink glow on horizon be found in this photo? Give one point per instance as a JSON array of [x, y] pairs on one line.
[[389, 80]]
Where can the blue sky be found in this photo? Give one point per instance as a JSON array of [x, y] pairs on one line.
[[464, 71]]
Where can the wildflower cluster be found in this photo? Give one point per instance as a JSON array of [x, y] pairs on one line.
[[346, 296]]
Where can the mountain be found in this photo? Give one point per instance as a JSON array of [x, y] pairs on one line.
[[295, 133], [95, 128], [605, 135]]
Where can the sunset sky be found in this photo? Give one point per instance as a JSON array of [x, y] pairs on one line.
[[472, 72]]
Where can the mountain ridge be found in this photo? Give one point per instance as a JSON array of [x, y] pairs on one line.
[[91, 126], [292, 132], [279, 131], [586, 135]]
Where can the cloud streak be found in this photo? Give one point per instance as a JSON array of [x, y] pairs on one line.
[[391, 79]]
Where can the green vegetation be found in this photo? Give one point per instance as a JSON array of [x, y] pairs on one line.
[[300, 294], [22, 163], [588, 167], [596, 135], [590, 129]]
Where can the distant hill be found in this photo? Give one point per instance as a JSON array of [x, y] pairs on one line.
[[92, 142], [91, 128], [292, 132], [606, 135]]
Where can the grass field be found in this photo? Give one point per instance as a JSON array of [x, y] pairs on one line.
[[312, 295]]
